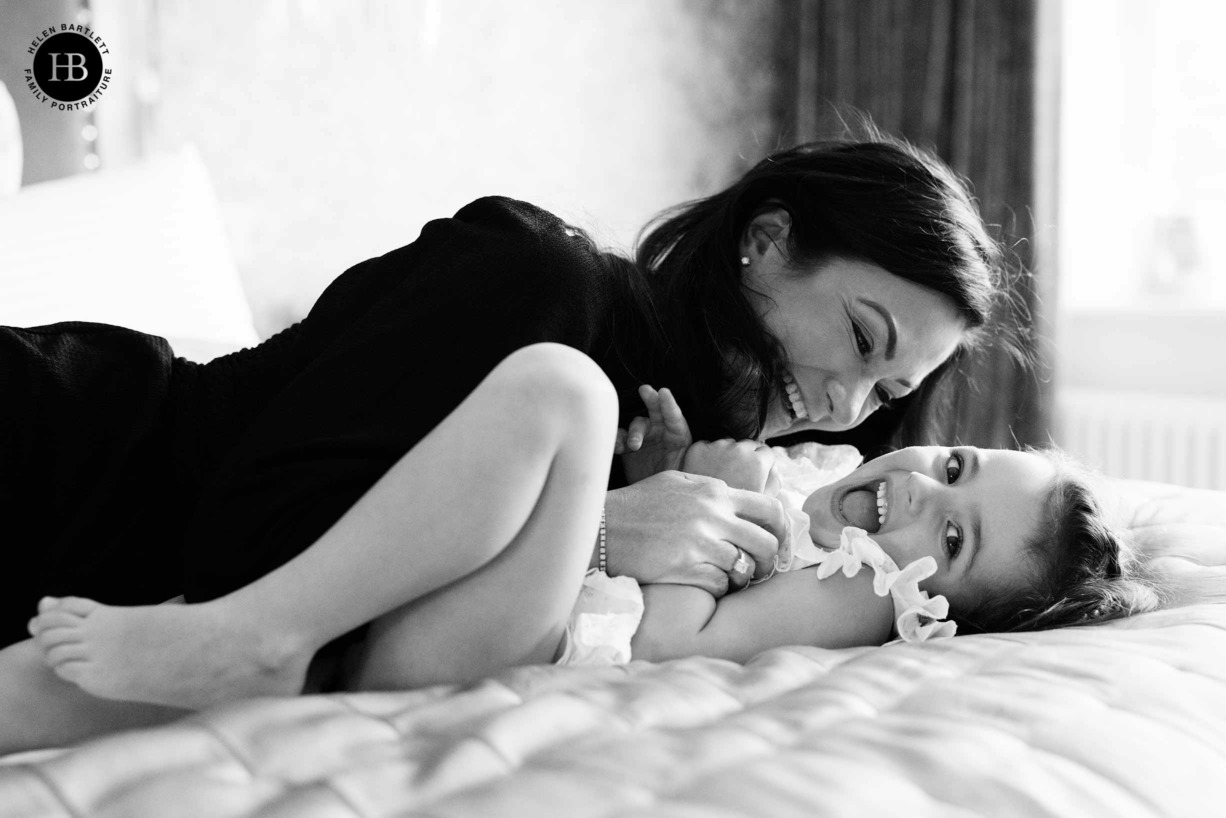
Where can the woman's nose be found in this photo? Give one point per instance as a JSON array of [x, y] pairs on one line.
[[847, 403]]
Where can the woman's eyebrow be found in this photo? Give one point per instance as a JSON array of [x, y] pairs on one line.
[[891, 342]]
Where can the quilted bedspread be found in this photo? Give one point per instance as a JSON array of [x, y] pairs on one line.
[[1124, 719]]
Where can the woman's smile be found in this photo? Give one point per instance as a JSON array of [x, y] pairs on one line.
[[794, 400]]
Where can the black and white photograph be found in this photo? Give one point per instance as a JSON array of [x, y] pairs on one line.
[[594, 408]]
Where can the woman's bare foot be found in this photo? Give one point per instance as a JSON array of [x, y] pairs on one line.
[[188, 656]]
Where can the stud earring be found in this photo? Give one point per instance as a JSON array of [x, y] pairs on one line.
[[744, 261]]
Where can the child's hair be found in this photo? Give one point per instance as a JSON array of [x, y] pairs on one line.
[[1084, 571]]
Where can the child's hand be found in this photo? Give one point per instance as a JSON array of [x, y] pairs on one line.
[[744, 464], [657, 442]]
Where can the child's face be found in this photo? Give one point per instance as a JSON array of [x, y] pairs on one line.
[[972, 510]]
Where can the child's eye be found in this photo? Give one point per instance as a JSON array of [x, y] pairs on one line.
[[862, 343], [953, 468], [953, 541]]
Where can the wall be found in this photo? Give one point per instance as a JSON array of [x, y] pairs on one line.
[[1166, 352], [333, 131], [53, 144]]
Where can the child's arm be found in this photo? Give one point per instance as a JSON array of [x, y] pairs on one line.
[[657, 442], [742, 464], [791, 609], [662, 441]]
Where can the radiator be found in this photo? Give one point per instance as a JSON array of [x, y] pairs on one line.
[[1176, 439]]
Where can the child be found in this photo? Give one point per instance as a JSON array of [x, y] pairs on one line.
[[468, 556]]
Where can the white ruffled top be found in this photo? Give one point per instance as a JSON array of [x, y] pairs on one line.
[[917, 617], [609, 609]]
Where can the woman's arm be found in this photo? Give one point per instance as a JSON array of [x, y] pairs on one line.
[[791, 609], [683, 528], [668, 527]]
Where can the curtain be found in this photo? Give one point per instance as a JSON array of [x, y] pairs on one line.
[[959, 77]]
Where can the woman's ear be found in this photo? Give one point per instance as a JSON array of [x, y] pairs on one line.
[[768, 229]]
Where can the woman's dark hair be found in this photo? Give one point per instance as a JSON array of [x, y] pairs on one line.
[[1083, 571], [877, 199]]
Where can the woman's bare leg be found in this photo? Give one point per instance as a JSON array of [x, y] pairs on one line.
[[454, 502], [38, 709]]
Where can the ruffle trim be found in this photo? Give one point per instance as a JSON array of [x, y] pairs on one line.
[[917, 617]]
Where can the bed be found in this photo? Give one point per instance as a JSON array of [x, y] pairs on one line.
[[1122, 719]]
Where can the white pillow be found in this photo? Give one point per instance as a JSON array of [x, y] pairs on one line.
[[141, 247], [10, 144]]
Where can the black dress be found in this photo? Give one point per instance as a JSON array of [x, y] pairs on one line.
[[132, 477]]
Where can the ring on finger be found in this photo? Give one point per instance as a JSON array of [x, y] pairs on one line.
[[743, 564]]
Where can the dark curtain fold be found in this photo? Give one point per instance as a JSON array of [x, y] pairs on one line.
[[958, 77]]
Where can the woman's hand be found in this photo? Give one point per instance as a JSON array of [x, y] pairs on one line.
[[655, 443], [742, 464], [686, 529]]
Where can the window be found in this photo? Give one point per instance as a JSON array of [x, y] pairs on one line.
[[1143, 155]]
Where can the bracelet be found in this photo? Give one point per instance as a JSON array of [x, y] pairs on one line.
[[604, 562]]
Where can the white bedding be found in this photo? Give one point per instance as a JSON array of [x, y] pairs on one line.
[[142, 247], [1125, 719]]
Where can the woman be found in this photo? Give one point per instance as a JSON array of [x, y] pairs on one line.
[[830, 280]]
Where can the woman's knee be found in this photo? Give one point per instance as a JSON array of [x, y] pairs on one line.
[[559, 380]]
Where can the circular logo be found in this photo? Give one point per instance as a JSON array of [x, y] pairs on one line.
[[68, 67]]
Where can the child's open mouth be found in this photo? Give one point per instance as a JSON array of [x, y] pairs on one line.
[[866, 506]]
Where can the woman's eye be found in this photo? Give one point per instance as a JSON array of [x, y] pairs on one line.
[[953, 540], [862, 343], [953, 468]]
